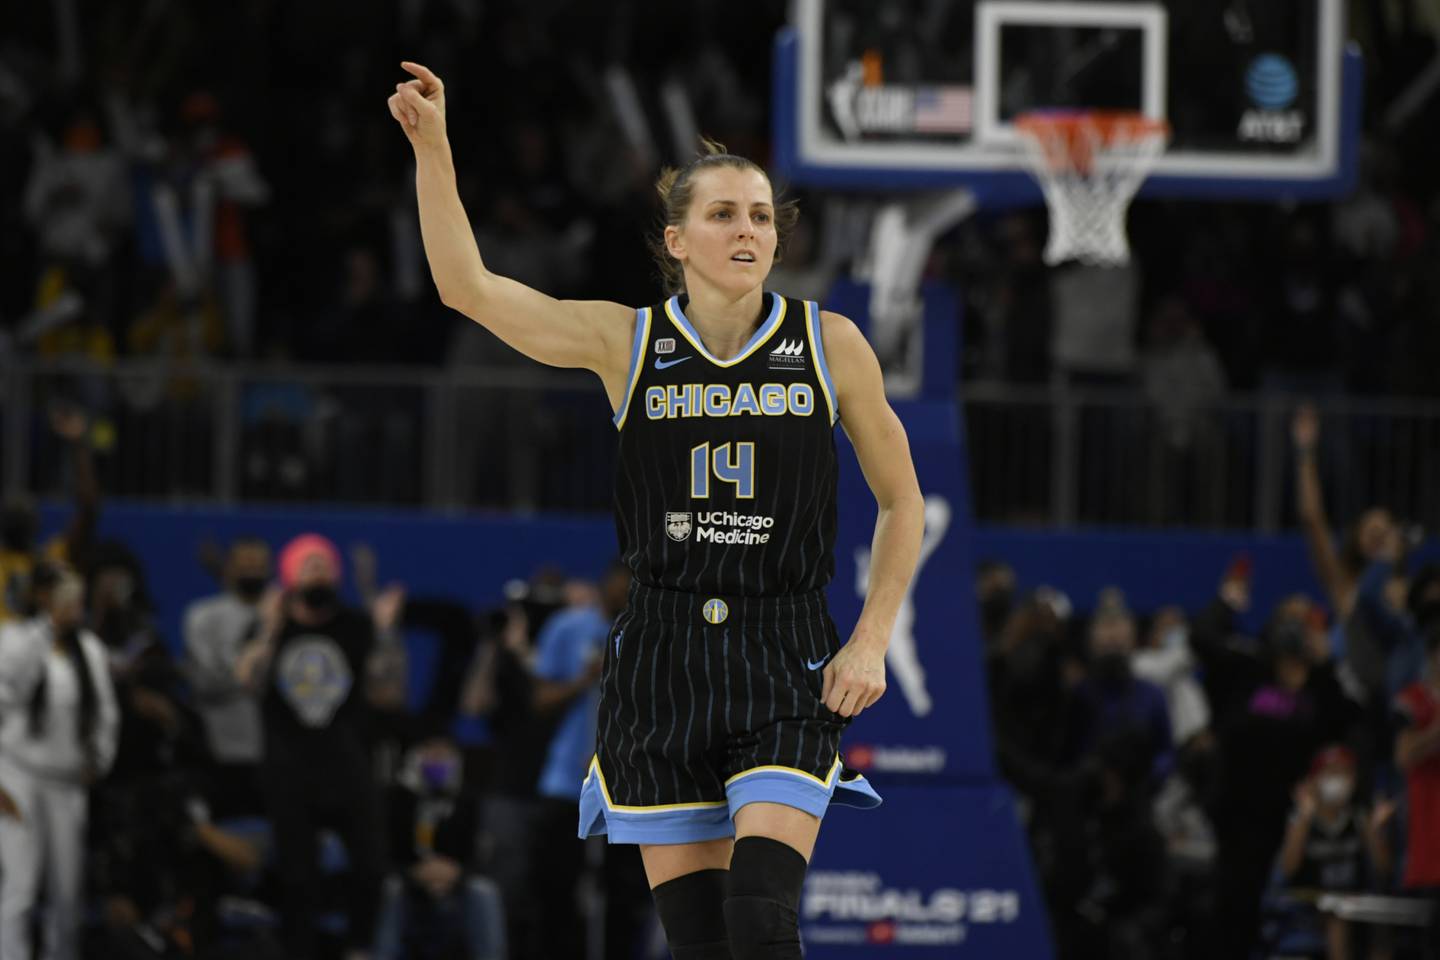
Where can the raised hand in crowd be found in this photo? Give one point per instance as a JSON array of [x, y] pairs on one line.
[[256, 656], [8, 807], [1305, 429]]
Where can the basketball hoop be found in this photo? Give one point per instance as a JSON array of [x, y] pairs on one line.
[[1090, 163]]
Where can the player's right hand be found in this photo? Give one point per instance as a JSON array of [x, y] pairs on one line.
[[418, 105]]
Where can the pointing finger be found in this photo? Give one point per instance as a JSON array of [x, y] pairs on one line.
[[431, 81]]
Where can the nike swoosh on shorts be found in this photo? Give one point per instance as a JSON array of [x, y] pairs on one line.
[[816, 664]]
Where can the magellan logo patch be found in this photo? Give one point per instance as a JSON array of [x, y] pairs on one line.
[[790, 355], [678, 526], [665, 345]]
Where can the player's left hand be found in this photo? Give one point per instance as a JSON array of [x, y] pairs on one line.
[[855, 677]]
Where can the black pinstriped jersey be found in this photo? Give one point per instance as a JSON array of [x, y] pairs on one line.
[[726, 481]]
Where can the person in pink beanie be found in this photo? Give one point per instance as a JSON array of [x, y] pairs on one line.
[[309, 665]]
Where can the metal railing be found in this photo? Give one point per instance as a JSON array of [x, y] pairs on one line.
[[513, 438], [1066, 456], [528, 437]]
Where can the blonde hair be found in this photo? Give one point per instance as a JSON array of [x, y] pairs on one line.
[[676, 187]]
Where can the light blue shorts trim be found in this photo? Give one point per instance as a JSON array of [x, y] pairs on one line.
[[715, 820]]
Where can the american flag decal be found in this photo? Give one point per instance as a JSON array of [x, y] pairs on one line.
[[943, 109]]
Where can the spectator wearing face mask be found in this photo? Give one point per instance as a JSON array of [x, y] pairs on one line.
[[1167, 661], [1266, 750], [1113, 702], [436, 906], [58, 727], [1332, 843], [216, 631], [311, 665]]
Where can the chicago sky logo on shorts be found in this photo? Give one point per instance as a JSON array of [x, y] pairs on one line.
[[678, 526], [715, 610], [790, 355]]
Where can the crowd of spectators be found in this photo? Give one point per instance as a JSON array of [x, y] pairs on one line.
[[1192, 790], [272, 784], [215, 183], [226, 181], [275, 783], [220, 182]]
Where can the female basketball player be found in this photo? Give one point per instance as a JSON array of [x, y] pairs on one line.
[[725, 687]]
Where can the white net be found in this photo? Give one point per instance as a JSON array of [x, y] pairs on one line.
[[1090, 165]]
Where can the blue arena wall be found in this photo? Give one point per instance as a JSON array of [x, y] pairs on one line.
[[470, 557]]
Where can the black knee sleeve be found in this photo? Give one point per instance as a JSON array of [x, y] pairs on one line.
[[762, 911], [691, 912]]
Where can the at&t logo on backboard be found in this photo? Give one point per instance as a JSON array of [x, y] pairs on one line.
[[1273, 87]]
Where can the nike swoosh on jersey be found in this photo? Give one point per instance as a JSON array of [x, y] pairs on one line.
[[816, 664], [662, 364]]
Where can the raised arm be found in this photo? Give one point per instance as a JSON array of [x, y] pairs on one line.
[[72, 425], [594, 334], [1305, 432]]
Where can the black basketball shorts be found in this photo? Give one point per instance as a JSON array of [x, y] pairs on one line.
[[709, 703]]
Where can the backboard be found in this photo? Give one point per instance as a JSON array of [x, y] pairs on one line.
[[1262, 96]]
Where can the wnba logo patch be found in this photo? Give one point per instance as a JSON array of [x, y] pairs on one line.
[[715, 610], [678, 526]]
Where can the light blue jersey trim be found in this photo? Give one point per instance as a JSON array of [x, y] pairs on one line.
[[817, 347], [771, 324], [637, 353]]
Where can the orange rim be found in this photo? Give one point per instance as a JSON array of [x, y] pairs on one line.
[[1071, 138]]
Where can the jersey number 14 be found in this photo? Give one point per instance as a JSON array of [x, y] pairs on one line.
[[730, 463]]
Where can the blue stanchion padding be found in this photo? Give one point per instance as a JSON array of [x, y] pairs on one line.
[[938, 871]]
